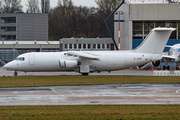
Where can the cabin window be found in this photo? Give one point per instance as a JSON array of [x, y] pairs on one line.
[[89, 46], [79, 46], [70, 46], [103, 46], [66, 46], [94, 46], [99, 46], [75, 46], [108, 46], [20, 58], [84, 46]]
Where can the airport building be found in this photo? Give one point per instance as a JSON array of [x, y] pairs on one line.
[[19, 33], [87, 44], [23, 27], [9, 50], [138, 17]]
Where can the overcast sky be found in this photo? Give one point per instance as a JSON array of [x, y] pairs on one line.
[[53, 3]]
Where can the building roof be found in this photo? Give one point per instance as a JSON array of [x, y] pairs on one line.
[[29, 42], [152, 1]]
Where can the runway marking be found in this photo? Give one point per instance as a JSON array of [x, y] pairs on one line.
[[177, 91], [54, 91]]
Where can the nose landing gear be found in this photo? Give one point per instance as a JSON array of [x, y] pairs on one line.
[[15, 73]]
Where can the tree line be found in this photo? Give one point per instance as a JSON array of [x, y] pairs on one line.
[[68, 20], [33, 6]]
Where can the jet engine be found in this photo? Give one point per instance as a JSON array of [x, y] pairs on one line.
[[156, 63], [68, 63]]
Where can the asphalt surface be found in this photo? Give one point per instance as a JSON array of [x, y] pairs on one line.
[[4, 72], [125, 94], [137, 94]]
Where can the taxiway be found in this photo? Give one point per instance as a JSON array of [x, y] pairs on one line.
[[91, 95], [137, 94], [4, 72]]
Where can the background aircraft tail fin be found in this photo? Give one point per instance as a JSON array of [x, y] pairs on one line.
[[155, 42]]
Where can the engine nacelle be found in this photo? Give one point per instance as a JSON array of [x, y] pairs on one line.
[[68, 63], [156, 63]]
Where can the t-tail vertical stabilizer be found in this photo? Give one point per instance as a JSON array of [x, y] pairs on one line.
[[155, 41]]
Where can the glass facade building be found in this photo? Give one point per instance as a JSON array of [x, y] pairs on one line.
[[142, 29]]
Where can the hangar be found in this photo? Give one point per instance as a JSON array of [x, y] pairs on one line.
[[137, 18]]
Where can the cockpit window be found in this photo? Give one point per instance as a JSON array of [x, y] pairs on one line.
[[20, 58]]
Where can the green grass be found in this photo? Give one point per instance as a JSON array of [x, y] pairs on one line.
[[100, 112], [31, 81]]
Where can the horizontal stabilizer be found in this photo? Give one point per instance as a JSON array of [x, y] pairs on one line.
[[168, 46], [169, 57]]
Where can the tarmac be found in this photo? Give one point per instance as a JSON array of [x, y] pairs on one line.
[[114, 94], [136, 72], [125, 94]]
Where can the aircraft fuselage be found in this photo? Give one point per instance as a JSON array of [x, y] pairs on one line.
[[108, 61]]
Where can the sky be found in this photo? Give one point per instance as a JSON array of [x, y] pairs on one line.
[[88, 3]]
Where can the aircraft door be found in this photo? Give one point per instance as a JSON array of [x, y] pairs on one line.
[[17, 64], [31, 60]]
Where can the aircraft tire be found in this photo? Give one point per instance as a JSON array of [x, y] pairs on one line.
[[177, 67], [168, 68], [15, 73], [164, 67], [85, 74]]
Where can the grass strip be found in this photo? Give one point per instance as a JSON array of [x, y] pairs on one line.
[[37, 81], [100, 112]]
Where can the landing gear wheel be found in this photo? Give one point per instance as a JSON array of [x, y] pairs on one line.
[[85, 74], [15, 73], [164, 67], [177, 67]]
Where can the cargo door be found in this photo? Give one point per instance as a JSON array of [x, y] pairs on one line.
[[31, 60]]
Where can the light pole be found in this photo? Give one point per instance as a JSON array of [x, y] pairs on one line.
[[44, 6], [119, 28]]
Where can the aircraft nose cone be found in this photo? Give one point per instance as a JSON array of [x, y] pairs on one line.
[[6, 66], [10, 66]]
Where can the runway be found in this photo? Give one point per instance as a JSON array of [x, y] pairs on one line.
[[125, 94]]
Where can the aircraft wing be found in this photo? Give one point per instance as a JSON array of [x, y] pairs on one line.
[[168, 56], [85, 55]]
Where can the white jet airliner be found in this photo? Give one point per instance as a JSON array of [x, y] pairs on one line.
[[173, 54], [85, 62]]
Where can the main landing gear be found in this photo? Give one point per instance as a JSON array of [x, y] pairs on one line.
[[166, 67], [85, 74], [15, 73], [177, 67]]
